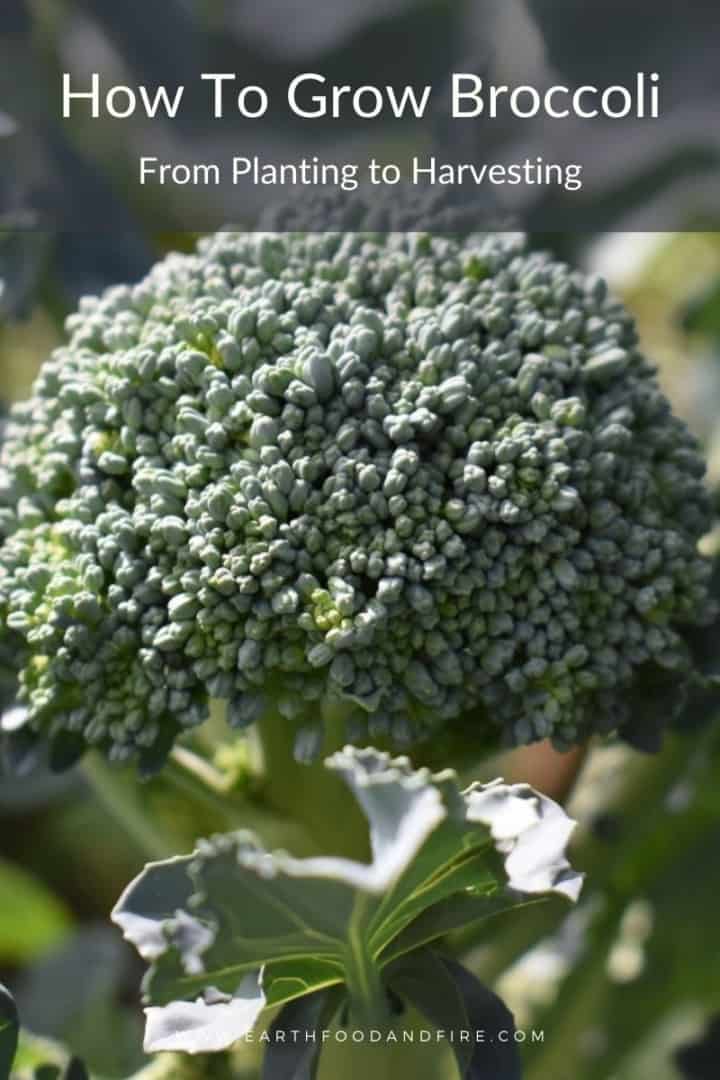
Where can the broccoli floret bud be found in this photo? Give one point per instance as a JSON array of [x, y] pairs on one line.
[[424, 480], [7, 664]]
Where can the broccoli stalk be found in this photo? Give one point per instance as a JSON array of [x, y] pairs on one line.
[[303, 790]]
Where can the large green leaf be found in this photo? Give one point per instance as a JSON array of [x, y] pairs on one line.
[[424, 980], [233, 929], [497, 1055], [457, 912], [455, 1002]]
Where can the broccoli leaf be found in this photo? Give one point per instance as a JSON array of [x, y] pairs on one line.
[[208, 1024], [454, 913], [423, 980], [299, 1060], [454, 1001], [486, 1012], [233, 929]]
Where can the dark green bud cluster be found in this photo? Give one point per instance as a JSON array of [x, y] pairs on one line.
[[418, 478]]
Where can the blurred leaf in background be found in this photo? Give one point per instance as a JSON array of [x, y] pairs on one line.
[[703, 312], [42, 171], [73, 995], [32, 920]]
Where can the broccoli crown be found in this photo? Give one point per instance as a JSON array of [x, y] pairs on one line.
[[425, 478]]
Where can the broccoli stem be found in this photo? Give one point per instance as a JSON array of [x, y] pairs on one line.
[[119, 796], [209, 777], [233, 809], [368, 1000], [309, 794], [123, 804]]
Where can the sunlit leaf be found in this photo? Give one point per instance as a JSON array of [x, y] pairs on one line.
[[234, 928]]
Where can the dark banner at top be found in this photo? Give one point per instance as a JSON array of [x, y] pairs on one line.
[[548, 115]]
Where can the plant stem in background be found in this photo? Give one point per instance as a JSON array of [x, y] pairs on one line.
[[124, 805], [310, 793], [201, 782], [206, 773]]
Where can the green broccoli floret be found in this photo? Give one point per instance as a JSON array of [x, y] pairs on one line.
[[419, 480], [7, 664]]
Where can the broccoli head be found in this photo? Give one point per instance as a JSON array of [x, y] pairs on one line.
[[419, 480]]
